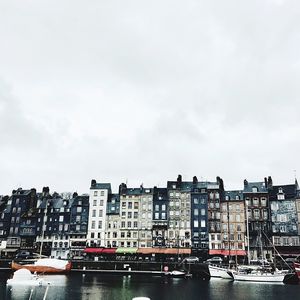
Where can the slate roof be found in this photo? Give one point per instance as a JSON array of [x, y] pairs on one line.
[[259, 185], [189, 185], [290, 191], [101, 186], [232, 195]]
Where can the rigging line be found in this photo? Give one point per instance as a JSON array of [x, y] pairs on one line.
[[277, 251]]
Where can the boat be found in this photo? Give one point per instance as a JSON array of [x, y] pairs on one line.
[[297, 268], [220, 272], [175, 273], [259, 276], [45, 266], [24, 277]]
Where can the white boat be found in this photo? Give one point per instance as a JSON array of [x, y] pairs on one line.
[[176, 273], [259, 277], [24, 277], [220, 272], [45, 266]]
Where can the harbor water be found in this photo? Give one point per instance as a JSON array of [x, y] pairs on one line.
[[119, 287]]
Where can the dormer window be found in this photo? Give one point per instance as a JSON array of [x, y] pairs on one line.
[[237, 197], [254, 189], [227, 198], [280, 195]]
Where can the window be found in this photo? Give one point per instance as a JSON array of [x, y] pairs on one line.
[[135, 224], [78, 219], [163, 207], [94, 202], [94, 213], [123, 224], [135, 215], [136, 205], [156, 207], [130, 205], [100, 213], [79, 209], [129, 215], [95, 193], [263, 201], [156, 216], [203, 212], [93, 224], [196, 201], [163, 215], [196, 212], [100, 225], [254, 189], [61, 218], [196, 223], [129, 224], [101, 202], [101, 193], [203, 223]]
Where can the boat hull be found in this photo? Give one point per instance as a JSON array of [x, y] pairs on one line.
[[259, 277], [219, 272], [41, 269], [297, 269]]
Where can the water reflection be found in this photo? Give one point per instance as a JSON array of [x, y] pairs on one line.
[[110, 287]]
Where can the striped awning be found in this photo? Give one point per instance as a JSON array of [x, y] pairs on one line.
[[128, 250], [227, 252], [93, 250], [109, 250], [164, 251]]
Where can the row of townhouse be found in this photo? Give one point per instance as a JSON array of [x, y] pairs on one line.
[[198, 215]]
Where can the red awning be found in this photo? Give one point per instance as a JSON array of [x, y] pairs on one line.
[[93, 250], [227, 252], [109, 250]]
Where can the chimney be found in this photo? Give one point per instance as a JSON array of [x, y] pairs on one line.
[[93, 182], [195, 179], [270, 182], [245, 183]]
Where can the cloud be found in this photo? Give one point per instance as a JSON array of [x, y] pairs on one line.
[[147, 90]]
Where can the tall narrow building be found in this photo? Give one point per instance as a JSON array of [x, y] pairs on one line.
[[99, 194]]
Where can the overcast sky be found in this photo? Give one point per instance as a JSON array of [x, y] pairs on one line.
[[145, 90]]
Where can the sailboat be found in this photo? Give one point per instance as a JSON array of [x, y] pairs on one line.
[[261, 273]]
